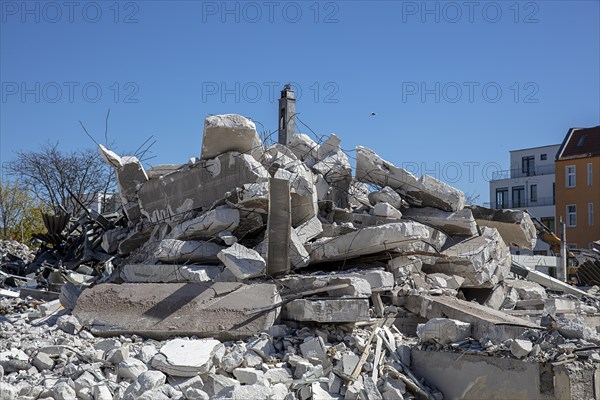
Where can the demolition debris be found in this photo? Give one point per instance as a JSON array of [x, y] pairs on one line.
[[275, 272]]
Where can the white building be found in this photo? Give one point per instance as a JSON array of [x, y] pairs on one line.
[[528, 185]]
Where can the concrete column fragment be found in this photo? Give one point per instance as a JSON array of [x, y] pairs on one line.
[[327, 311], [130, 175], [279, 227]]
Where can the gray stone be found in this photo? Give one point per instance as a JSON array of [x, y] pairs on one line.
[[42, 362], [248, 376], [102, 392], [309, 229], [215, 383], [243, 262], [443, 330], [191, 251], [278, 375], [244, 392], [130, 368], [182, 357], [520, 348], [68, 324], [62, 391], [230, 132], [262, 346]]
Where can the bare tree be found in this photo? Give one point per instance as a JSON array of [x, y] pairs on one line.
[[51, 173]]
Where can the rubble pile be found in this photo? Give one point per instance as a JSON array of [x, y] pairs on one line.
[[274, 272]]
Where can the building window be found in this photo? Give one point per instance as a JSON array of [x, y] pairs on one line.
[[518, 196], [570, 176], [543, 157], [540, 253], [553, 193], [501, 198], [533, 193], [590, 214], [549, 222], [571, 215], [589, 174], [528, 165]]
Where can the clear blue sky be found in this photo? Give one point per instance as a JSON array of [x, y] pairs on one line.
[[455, 85]]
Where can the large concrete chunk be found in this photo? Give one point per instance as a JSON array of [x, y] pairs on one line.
[[459, 223], [161, 310], [208, 224], [443, 330], [130, 174], [243, 262], [279, 227], [386, 195], [485, 322], [327, 311], [515, 226], [367, 241], [334, 166], [230, 132], [169, 273], [198, 186], [425, 191], [190, 251], [483, 261], [186, 358], [303, 147]]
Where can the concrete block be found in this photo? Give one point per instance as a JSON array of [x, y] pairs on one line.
[[186, 358], [386, 195], [230, 132], [443, 330], [243, 262], [386, 210], [161, 310], [248, 376], [520, 348], [515, 226], [459, 223], [327, 311]]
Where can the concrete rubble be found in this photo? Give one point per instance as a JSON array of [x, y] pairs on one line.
[[278, 271]]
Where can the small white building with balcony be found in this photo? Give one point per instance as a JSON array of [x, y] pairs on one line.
[[529, 185]]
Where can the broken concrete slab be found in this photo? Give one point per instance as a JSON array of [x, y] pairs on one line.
[[515, 226], [198, 186], [386, 210], [230, 132], [243, 262], [130, 175], [379, 280], [358, 287], [485, 322], [545, 280], [220, 219], [520, 348], [386, 195], [483, 261], [459, 223], [169, 273], [190, 251], [161, 310], [443, 330], [303, 147], [327, 311], [425, 191], [187, 358], [527, 290], [367, 241], [309, 229]]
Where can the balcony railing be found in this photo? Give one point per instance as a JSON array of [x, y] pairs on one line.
[[519, 173], [541, 201]]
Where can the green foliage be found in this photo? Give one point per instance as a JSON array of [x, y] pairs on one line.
[[20, 213]]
